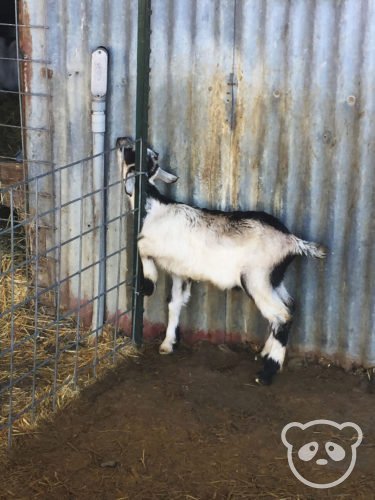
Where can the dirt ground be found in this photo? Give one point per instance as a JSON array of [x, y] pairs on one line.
[[193, 426]]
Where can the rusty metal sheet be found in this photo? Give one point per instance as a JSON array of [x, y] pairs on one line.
[[267, 105], [261, 104]]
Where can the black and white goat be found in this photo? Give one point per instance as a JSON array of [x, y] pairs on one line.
[[250, 250]]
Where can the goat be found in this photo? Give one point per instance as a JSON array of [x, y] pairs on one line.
[[249, 250]]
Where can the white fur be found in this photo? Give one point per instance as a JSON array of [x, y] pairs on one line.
[[268, 345], [149, 269], [284, 295], [181, 241], [277, 352], [180, 297], [191, 244]]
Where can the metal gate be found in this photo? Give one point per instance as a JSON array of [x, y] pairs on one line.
[[54, 333]]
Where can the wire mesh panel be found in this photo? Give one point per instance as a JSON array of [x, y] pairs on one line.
[[66, 279], [50, 341], [68, 289], [10, 78]]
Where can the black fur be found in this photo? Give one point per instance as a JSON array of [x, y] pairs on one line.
[[235, 216], [238, 216], [148, 287], [178, 338], [262, 217], [283, 333], [153, 192], [278, 272], [130, 158], [270, 368]]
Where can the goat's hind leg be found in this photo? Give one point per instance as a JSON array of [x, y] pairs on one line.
[[274, 349], [180, 297], [282, 292], [273, 359], [272, 304]]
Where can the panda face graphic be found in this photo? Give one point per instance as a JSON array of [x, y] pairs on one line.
[[321, 453]]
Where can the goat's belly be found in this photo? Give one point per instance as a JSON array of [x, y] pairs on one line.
[[221, 271]]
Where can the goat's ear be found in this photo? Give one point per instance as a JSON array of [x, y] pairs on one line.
[[164, 176]]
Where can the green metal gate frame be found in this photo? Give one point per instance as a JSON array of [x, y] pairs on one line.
[[142, 102]]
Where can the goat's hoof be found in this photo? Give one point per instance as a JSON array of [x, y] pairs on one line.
[[263, 378], [166, 348], [148, 287]]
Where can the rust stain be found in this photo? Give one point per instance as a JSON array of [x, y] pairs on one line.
[[235, 153], [46, 73], [152, 331], [26, 47], [82, 306], [249, 129], [121, 321], [207, 157], [124, 324], [192, 336], [10, 173], [155, 331], [85, 309]]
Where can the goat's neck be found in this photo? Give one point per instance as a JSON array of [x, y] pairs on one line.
[[153, 206]]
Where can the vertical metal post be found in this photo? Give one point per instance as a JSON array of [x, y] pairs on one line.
[[36, 292], [12, 319], [143, 69], [99, 79]]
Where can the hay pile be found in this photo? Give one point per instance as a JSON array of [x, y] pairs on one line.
[[40, 372]]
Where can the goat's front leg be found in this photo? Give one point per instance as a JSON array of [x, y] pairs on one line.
[[180, 297], [150, 276]]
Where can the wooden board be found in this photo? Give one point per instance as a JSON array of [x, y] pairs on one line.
[[10, 173]]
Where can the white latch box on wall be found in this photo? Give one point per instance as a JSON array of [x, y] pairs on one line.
[[99, 72]]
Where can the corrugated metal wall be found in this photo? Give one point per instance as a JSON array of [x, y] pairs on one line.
[[255, 104]]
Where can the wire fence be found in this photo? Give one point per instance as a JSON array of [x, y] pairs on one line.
[[52, 338], [17, 58], [69, 274]]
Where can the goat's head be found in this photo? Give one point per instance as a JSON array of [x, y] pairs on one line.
[[126, 160]]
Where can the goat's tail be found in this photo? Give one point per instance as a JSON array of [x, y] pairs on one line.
[[309, 248]]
